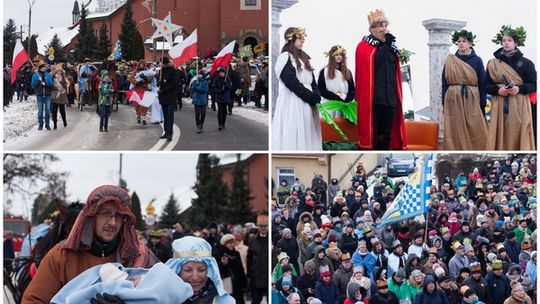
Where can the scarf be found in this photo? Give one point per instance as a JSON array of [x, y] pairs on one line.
[[81, 237], [205, 295]]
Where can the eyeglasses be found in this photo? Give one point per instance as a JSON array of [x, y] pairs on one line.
[[118, 217]]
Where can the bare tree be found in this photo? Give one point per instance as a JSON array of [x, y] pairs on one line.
[[25, 174]]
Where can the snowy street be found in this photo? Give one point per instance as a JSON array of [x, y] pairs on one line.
[[20, 130]]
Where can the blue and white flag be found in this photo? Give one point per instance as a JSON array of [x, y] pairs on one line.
[[413, 199], [117, 52]]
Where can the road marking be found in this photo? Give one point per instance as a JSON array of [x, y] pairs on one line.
[[163, 144]]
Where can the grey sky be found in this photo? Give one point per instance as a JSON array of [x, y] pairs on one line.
[[344, 22], [45, 13], [152, 175]]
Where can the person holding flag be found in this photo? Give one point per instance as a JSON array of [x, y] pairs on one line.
[[222, 84], [20, 57], [43, 84], [180, 54]]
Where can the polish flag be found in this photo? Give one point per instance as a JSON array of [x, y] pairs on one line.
[[20, 57], [223, 59], [142, 98], [185, 50]]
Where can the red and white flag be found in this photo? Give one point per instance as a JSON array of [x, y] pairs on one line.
[[223, 59], [185, 50], [142, 98], [20, 57]]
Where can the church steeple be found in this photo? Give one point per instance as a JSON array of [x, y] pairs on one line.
[[76, 13]]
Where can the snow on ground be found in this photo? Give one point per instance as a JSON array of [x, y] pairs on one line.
[[251, 112], [20, 118]]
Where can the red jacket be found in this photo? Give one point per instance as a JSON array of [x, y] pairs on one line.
[[364, 77], [347, 301]]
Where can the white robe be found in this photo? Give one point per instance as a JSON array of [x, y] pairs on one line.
[[295, 125], [338, 86]]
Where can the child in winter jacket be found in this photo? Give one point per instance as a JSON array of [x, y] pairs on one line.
[[105, 101]]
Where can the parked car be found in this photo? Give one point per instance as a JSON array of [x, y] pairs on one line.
[[18, 228], [400, 164]]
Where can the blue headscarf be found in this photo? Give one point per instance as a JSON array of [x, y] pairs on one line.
[[194, 249]]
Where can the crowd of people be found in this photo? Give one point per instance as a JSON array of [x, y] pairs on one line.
[[476, 243], [103, 84], [103, 259], [373, 100]]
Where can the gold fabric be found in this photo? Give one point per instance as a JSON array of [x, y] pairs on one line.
[[465, 127], [513, 130]]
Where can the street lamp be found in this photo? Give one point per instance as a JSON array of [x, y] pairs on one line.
[[30, 5]]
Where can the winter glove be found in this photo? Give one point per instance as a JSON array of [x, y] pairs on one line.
[[106, 299]]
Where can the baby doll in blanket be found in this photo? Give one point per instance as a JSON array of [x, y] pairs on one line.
[[158, 284]]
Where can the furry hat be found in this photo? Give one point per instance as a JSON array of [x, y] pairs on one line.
[[439, 272]]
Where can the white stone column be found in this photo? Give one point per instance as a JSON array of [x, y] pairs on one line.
[[277, 7], [439, 31]]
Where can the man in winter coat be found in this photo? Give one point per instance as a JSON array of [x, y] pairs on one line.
[[397, 282], [342, 276], [103, 233], [498, 284], [458, 261], [431, 294], [221, 87], [306, 282], [230, 266], [42, 83], [320, 259], [432, 260], [383, 295], [167, 96], [418, 247], [449, 287], [289, 245], [397, 259], [356, 294], [478, 284], [325, 289], [522, 231], [257, 261], [160, 250], [513, 248], [362, 257]]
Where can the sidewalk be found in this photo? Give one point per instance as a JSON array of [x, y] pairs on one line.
[[20, 117]]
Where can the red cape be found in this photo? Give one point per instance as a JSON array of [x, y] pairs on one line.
[[364, 87]]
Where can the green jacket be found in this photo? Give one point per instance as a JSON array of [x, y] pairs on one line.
[[105, 91], [397, 289], [520, 234], [409, 291], [277, 273]]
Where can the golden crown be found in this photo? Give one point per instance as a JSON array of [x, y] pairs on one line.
[[296, 32], [336, 50], [376, 16]]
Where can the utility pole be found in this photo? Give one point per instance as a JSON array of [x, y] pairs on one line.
[[120, 170], [154, 14], [30, 5]]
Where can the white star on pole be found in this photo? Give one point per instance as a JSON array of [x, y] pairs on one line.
[[165, 28]]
